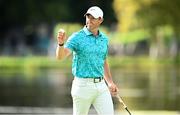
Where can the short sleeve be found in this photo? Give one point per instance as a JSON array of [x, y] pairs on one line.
[[106, 54], [72, 42]]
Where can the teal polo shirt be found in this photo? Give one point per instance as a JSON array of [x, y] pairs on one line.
[[89, 53]]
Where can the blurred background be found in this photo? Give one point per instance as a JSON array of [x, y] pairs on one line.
[[144, 54]]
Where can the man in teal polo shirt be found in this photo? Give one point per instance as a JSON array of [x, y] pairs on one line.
[[89, 47]]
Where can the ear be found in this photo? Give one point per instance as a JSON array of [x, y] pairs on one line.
[[101, 20]]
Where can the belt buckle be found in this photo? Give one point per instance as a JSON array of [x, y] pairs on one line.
[[97, 80]]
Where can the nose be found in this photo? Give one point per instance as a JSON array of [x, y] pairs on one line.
[[88, 20]]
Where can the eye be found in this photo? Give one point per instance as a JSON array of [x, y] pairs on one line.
[[87, 15]]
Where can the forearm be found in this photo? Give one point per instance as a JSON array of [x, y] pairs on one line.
[[60, 52], [107, 73], [108, 77]]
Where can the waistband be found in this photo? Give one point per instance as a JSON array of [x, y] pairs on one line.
[[94, 80]]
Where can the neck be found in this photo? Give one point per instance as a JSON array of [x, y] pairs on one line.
[[95, 32]]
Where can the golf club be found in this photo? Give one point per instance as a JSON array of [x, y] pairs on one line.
[[124, 105]]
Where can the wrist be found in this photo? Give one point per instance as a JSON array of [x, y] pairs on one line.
[[60, 44], [110, 83]]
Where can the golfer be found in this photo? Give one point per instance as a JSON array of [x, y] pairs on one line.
[[90, 68]]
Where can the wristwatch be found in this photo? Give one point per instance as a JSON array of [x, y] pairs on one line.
[[61, 44]]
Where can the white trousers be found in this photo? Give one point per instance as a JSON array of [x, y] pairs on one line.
[[85, 92]]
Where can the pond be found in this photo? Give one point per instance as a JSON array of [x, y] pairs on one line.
[[156, 88]]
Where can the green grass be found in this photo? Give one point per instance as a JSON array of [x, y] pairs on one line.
[[47, 62], [140, 62], [33, 62]]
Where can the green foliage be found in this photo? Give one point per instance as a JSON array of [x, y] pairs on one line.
[[68, 27], [32, 62], [129, 37], [35, 11], [115, 37], [150, 19], [159, 13]]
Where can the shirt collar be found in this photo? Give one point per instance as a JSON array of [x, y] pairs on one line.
[[87, 32]]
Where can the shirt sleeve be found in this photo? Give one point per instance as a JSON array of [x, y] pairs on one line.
[[72, 43], [106, 54]]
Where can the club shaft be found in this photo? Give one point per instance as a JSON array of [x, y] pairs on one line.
[[121, 101], [128, 111], [124, 105]]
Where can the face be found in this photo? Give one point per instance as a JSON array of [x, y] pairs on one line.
[[93, 23]]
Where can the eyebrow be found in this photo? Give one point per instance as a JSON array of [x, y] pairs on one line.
[[91, 16]]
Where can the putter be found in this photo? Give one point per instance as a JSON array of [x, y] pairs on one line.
[[124, 105]]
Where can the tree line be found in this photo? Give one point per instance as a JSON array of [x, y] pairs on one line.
[[154, 16], [158, 17]]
